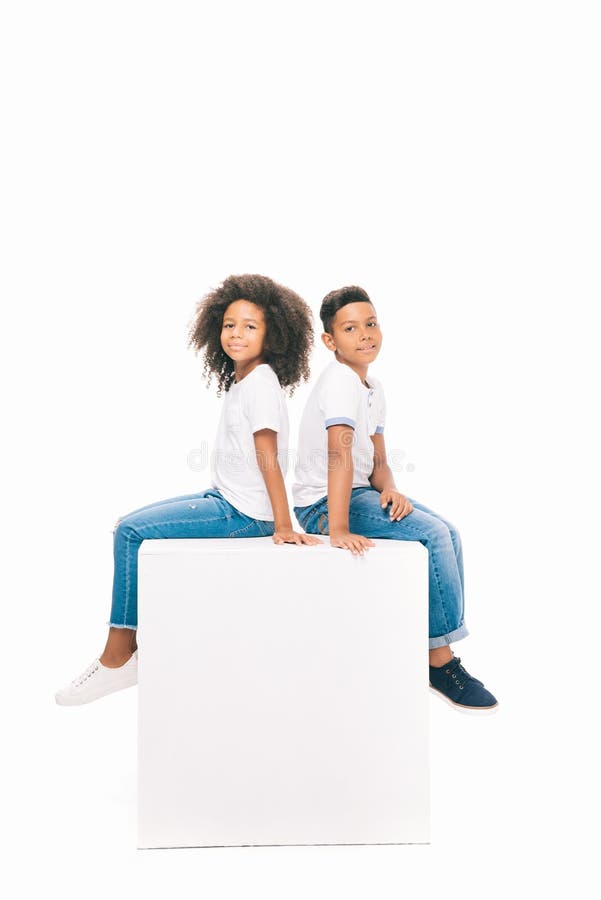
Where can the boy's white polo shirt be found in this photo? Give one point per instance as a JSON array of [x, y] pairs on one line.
[[254, 403], [338, 398]]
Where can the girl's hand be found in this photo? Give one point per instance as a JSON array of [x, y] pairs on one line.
[[356, 543], [287, 536], [400, 505]]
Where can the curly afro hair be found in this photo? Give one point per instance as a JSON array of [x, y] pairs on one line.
[[288, 332]]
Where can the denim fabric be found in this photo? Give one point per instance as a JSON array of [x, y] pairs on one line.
[[203, 515], [366, 517]]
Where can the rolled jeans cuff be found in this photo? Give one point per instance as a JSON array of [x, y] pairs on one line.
[[449, 638]]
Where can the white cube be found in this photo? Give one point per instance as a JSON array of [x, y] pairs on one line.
[[283, 694]]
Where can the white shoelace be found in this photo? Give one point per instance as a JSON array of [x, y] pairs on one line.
[[87, 674]]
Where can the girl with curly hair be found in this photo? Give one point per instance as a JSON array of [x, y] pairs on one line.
[[256, 336]]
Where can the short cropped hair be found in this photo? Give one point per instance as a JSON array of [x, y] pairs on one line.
[[335, 300]]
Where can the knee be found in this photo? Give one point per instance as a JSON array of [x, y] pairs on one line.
[[439, 532], [455, 536], [124, 530], [119, 525], [127, 519]]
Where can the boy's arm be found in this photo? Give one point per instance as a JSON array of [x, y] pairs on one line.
[[340, 483], [266, 450], [382, 480]]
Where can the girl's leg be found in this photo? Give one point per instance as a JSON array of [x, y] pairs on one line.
[[120, 645], [206, 514], [156, 503], [121, 641]]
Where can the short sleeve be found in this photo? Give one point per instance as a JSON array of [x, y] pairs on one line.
[[339, 397], [262, 402], [381, 411]]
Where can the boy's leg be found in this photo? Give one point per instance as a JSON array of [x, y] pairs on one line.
[[367, 517], [448, 677], [455, 537]]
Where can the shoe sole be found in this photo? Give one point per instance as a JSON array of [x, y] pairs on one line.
[[468, 710], [81, 701]]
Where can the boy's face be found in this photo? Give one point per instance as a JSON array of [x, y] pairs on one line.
[[356, 337], [243, 332]]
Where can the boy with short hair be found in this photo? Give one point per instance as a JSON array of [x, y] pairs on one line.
[[344, 486]]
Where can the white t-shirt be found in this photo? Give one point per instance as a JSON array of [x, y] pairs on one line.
[[338, 398], [254, 403]]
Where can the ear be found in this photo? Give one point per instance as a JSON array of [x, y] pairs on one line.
[[329, 341]]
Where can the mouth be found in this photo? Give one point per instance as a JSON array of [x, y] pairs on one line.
[[235, 346], [366, 349]]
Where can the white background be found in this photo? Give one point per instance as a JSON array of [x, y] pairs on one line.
[[444, 155]]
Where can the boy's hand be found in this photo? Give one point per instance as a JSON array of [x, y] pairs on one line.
[[356, 543], [288, 536], [400, 508]]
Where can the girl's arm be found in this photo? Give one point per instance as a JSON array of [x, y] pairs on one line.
[[382, 480], [340, 483], [266, 449]]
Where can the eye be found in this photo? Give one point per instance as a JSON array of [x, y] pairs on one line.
[[374, 324], [229, 325], [349, 327], [251, 326]]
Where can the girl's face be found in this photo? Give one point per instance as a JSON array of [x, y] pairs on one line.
[[243, 334]]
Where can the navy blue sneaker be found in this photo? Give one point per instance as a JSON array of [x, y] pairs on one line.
[[455, 685]]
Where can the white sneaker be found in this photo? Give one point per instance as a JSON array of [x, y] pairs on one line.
[[98, 680]]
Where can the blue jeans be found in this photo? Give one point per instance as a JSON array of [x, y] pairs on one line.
[[203, 515], [366, 517]]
